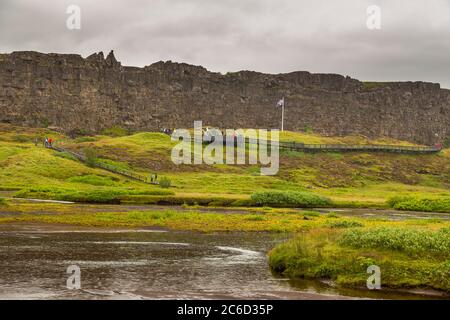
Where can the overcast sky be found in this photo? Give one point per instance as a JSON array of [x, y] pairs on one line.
[[274, 36]]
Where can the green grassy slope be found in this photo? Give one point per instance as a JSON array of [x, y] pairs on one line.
[[367, 178]]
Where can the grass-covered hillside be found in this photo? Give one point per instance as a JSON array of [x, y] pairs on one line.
[[356, 178]]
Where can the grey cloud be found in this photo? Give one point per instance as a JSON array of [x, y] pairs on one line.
[[229, 35]]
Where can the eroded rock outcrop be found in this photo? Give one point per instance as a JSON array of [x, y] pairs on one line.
[[88, 95]]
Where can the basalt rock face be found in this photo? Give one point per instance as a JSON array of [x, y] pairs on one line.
[[88, 95]]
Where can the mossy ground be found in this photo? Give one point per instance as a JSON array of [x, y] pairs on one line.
[[192, 218]]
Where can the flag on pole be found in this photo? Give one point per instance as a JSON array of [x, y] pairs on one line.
[[280, 103]]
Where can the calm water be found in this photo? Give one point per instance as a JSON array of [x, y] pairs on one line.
[[152, 264]]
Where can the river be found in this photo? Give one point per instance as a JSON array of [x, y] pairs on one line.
[[150, 264]]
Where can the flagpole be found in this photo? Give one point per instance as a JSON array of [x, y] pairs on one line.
[[282, 115]]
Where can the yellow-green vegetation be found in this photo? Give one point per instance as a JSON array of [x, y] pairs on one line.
[[97, 195], [258, 219], [408, 256], [289, 199], [190, 220], [420, 204], [115, 131], [348, 179], [311, 138]]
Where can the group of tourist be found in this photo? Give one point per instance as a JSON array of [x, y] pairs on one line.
[[48, 142]]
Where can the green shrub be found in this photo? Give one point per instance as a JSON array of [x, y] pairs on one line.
[[99, 195], [91, 196], [289, 199], [91, 157], [410, 241], [2, 202], [165, 182], [391, 202], [115, 131], [420, 204]]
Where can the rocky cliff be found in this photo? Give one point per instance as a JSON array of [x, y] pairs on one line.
[[88, 95]]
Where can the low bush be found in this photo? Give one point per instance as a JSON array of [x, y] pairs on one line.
[[420, 204], [290, 199], [91, 157], [165, 182], [99, 195], [410, 241], [2, 202]]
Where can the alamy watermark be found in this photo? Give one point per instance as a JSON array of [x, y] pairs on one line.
[[73, 21], [74, 280], [374, 280], [234, 146], [373, 21]]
